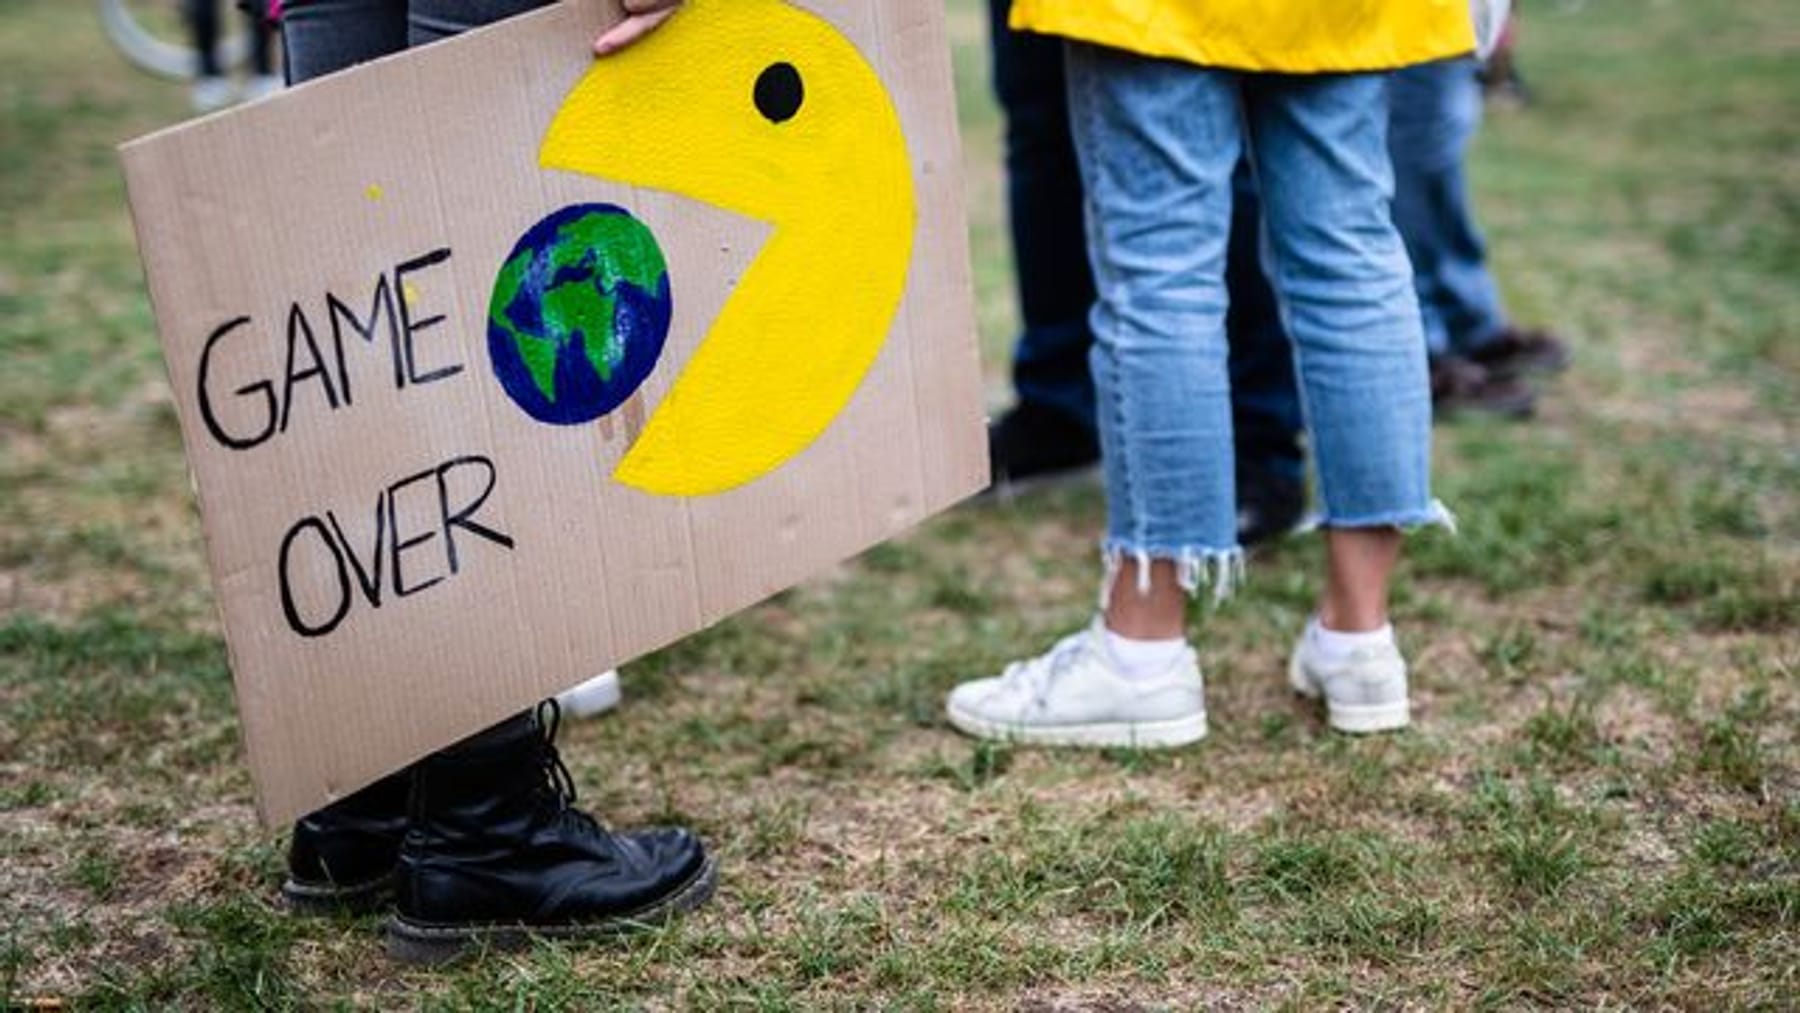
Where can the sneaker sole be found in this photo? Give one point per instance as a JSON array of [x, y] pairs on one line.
[[326, 900], [1170, 734], [413, 943], [1353, 719]]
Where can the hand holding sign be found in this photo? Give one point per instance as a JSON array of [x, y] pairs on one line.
[[641, 17]]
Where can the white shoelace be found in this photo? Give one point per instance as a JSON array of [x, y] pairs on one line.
[[1036, 675]]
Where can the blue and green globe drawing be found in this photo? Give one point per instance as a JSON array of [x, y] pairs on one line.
[[579, 314]]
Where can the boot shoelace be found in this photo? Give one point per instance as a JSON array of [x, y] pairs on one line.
[[556, 773]]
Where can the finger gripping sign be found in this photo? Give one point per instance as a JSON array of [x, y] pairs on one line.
[[498, 366]]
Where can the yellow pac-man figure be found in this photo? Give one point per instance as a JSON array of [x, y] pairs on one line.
[[765, 110]]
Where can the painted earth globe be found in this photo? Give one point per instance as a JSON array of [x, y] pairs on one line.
[[579, 314]]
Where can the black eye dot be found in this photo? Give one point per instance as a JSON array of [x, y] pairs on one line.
[[779, 92]]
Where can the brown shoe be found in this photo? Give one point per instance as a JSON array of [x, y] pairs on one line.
[[1459, 385], [1514, 352]]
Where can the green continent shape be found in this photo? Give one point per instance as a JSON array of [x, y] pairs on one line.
[[620, 248], [624, 248], [539, 353], [581, 306]]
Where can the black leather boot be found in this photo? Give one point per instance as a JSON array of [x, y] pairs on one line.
[[497, 853], [342, 858]]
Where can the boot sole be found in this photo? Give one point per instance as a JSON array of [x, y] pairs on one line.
[[410, 942], [1171, 734], [314, 900], [1351, 719]]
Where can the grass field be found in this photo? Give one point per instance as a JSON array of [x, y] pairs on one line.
[[1600, 805]]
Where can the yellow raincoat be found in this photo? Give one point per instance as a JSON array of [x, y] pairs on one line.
[[1284, 36]]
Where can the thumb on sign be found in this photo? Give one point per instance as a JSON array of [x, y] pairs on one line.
[[641, 18]]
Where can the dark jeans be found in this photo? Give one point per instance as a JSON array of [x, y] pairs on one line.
[[1266, 418], [1436, 113], [323, 36], [1056, 284], [203, 24], [1044, 196]]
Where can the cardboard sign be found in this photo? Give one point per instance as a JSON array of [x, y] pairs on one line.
[[499, 366]]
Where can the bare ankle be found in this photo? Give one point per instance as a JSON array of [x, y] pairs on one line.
[[1340, 618], [1158, 613]]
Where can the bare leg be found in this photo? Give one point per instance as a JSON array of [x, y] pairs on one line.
[[1159, 615], [1359, 564]]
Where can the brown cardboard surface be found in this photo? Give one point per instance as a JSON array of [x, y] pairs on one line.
[[334, 188]]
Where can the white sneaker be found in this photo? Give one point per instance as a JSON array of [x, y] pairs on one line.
[[211, 94], [261, 86], [1074, 695], [1365, 692], [595, 696]]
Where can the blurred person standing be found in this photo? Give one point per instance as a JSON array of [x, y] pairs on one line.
[[1479, 359], [1501, 81], [213, 88]]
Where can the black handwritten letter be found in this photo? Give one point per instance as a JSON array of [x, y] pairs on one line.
[[297, 328], [410, 327], [382, 305], [462, 518], [400, 542], [370, 581], [292, 610], [263, 387]]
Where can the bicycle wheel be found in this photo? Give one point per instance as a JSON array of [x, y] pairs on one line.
[[154, 37]]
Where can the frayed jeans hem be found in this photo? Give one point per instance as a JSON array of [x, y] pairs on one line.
[[1437, 515], [1195, 567]]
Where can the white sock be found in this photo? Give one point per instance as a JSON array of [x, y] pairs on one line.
[[1330, 645], [1139, 659]]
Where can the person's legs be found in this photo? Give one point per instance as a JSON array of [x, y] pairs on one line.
[[325, 36], [1265, 403], [431, 20], [203, 30], [263, 80], [212, 89], [322, 37], [1359, 564], [344, 855], [1052, 429], [1157, 142], [1436, 109], [262, 49], [1346, 293], [1340, 269], [492, 846], [495, 850], [1476, 354]]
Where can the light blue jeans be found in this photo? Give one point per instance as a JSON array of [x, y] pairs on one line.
[[1157, 142]]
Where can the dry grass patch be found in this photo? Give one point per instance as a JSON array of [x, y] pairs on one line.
[[1597, 808]]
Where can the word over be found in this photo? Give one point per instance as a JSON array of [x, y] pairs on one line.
[[319, 560]]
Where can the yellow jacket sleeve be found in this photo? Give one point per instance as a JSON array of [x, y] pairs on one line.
[[1283, 36]]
